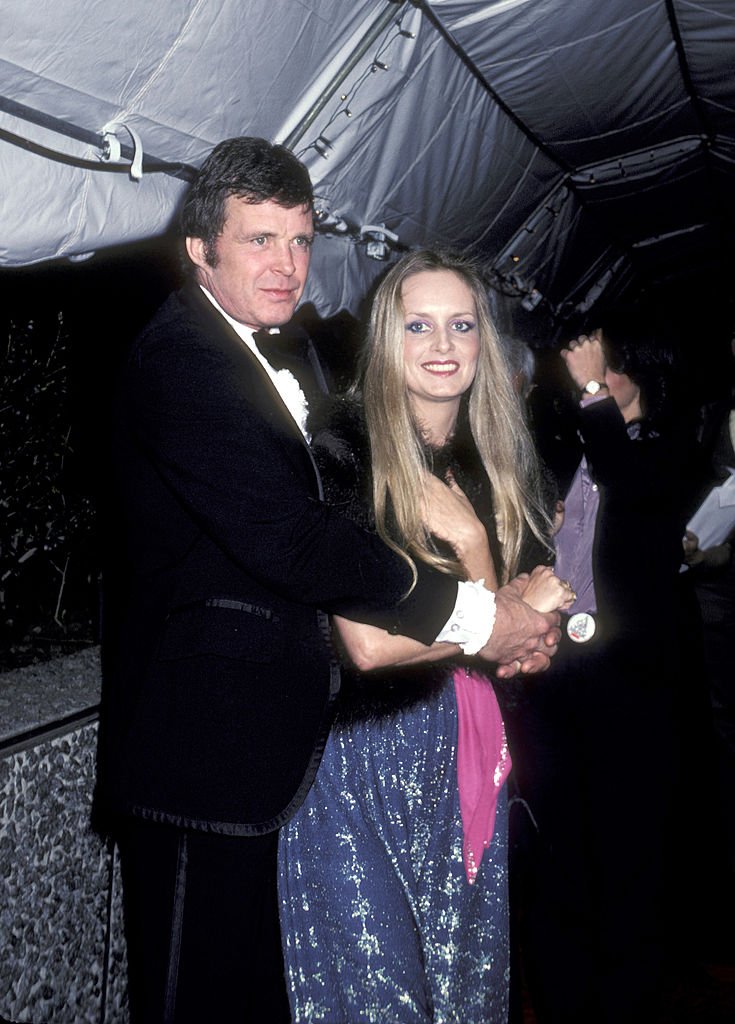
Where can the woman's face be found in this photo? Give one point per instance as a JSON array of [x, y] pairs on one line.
[[441, 340]]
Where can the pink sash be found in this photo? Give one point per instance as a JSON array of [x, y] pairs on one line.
[[483, 763]]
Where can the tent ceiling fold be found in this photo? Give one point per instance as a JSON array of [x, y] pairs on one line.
[[577, 149]]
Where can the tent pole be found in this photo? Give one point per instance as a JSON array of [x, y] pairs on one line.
[[90, 137]]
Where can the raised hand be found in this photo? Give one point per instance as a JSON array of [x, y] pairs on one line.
[[585, 359]]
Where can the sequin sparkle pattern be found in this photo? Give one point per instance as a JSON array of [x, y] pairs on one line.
[[379, 922]]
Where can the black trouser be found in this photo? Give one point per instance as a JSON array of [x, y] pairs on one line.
[[201, 918], [595, 755]]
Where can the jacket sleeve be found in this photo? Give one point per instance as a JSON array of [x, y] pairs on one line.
[[641, 466], [638, 536]]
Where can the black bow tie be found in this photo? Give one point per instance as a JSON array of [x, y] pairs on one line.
[[264, 340], [291, 349], [274, 348]]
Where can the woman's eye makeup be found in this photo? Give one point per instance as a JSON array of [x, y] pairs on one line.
[[422, 326], [417, 326]]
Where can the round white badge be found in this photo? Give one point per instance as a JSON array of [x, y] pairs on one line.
[[581, 627]]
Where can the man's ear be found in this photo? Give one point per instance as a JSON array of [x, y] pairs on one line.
[[195, 249]]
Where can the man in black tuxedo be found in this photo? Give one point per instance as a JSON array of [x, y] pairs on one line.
[[224, 564]]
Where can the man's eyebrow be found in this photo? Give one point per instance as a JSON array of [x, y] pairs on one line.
[[267, 233], [254, 233]]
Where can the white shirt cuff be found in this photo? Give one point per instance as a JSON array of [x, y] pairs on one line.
[[471, 623]]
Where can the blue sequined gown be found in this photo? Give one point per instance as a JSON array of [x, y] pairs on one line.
[[379, 922]]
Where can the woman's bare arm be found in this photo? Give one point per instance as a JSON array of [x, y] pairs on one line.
[[368, 647]]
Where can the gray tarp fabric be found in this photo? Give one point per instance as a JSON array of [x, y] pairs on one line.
[[574, 146]]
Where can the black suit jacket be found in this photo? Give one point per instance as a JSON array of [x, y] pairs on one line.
[[218, 675]]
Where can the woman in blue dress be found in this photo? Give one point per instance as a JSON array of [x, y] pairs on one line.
[[393, 874]]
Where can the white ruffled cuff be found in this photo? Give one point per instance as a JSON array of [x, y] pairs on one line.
[[471, 623]]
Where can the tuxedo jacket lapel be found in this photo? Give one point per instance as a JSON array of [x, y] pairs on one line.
[[259, 387]]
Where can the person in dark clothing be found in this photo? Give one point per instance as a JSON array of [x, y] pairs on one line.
[[712, 575], [596, 744]]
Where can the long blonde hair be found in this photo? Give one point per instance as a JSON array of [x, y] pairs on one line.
[[496, 421]]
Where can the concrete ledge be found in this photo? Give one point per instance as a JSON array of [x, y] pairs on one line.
[[40, 695], [61, 937]]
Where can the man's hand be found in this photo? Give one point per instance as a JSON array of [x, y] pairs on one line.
[[539, 661], [715, 557], [523, 640]]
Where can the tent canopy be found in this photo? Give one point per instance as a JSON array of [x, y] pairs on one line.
[[583, 151]]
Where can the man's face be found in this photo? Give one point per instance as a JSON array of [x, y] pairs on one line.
[[262, 261]]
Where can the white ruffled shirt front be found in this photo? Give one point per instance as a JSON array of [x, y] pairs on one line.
[[284, 381]]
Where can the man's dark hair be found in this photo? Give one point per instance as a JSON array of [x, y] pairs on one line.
[[249, 168]]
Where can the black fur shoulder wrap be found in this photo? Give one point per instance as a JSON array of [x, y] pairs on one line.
[[342, 453]]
